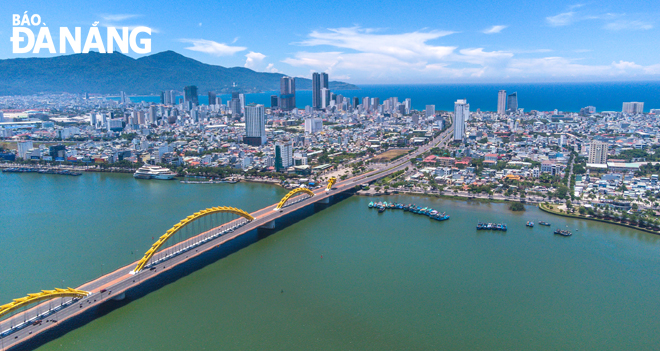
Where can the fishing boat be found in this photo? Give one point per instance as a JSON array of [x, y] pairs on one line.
[[563, 232], [530, 224], [544, 223], [381, 209], [371, 204], [480, 226]]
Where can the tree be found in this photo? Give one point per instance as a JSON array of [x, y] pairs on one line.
[[582, 210], [516, 206]]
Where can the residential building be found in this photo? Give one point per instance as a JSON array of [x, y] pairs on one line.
[[283, 155], [287, 101], [598, 152], [255, 125], [512, 102], [633, 108], [501, 102], [461, 115]]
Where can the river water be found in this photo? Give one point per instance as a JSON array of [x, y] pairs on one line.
[[346, 278]]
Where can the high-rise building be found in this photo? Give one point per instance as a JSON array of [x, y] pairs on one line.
[[190, 94], [461, 114], [287, 100], [633, 108], [430, 110], [283, 155], [2, 116], [313, 125], [325, 97], [23, 147], [316, 90], [235, 105], [512, 102], [356, 101], [153, 115], [241, 98], [408, 105], [598, 152], [501, 102], [366, 102], [255, 125], [273, 101], [212, 97]]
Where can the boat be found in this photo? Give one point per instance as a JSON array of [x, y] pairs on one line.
[[530, 224], [480, 226], [381, 209], [563, 232], [153, 172], [544, 223], [371, 204]]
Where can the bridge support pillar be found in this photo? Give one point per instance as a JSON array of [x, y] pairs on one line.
[[119, 297], [269, 225], [325, 201]]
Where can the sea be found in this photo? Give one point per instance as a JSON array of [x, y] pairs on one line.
[[344, 278], [564, 97]]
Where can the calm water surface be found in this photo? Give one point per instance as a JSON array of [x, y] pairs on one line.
[[345, 278]]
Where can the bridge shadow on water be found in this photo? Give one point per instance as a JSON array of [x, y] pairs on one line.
[[181, 270]]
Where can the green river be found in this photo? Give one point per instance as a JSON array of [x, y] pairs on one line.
[[345, 278]]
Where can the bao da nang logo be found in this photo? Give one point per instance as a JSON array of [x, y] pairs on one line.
[[24, 40]]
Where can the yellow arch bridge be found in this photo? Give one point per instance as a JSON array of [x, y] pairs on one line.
[[331, 182], [292, 193], [184, 222], [39, 297]]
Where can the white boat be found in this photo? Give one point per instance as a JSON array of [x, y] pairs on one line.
[[153, 172]]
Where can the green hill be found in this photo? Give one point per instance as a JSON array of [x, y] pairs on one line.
[[112, 73]]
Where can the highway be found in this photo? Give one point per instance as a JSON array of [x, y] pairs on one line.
[[116, 283]]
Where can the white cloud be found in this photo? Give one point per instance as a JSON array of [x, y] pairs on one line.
[[400, 45], [562, 19], [118, 17], [253, 60], [628, 25], [367, 55], [494, 29], [271, 68], [212, 47], [110, 20]]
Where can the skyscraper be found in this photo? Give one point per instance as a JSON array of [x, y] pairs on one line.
[[598, 152], [235, 105], [356, 101], [287, 93], [316, 90], [255, 125], [430, 110], [190, 94], [325, 97], [461, 114], [501, 102], [319, 81], [633, 108], [283, 155], [365, 104], [273, 101], [512, 102], [211, 98]]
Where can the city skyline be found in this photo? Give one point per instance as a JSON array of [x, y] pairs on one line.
[[559, 41]]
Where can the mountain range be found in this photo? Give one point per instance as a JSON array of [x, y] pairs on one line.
[[111, 73]]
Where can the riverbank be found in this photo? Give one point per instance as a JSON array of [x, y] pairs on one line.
[[448, 197], [544, 208]]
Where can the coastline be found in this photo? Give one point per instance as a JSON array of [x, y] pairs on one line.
[[542, 208]]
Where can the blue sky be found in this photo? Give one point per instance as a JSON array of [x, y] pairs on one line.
[[386, 42]]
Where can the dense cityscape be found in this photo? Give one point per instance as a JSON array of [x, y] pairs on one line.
[[603, 160]]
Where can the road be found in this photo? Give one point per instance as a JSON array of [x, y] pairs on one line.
[[115, 283]]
